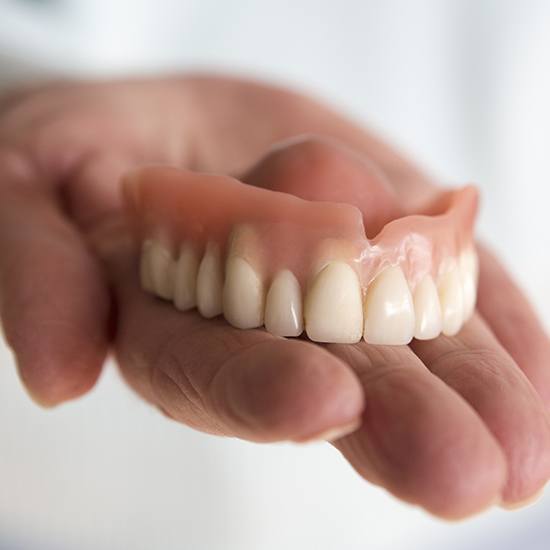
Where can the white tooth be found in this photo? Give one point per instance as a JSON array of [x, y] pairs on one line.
[[145, 266], [450, 296], [283, 305], [427, 310], [210, 282], [185, 278], [243, 294], [469, 273], [162, 270], [389, 310], [333, 310]]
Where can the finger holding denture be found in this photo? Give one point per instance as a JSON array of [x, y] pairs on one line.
[[268, 258]]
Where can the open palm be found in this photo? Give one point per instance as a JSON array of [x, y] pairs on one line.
[[452, 424]]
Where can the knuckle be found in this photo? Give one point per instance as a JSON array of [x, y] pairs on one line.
[[314, 150], [476, 367], [168, 367], [175, 392]]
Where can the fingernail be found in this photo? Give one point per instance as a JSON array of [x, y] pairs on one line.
[[332, 434], [524, 503]]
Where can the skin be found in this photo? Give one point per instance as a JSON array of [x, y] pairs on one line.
[[452, 425]]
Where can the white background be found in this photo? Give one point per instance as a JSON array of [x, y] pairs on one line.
[[462, 86]]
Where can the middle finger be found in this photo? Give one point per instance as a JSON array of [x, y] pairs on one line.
[[419, 438], [475, 365]]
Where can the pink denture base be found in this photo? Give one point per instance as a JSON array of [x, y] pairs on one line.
[[292, 233]]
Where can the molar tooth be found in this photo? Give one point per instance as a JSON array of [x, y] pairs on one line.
[[427, 310], [450, 296], [210, 282], [145, 266], [185, 278], [283, 305], [333, 309], [469, 273], [389, 311], [162, 270], [243, 294]]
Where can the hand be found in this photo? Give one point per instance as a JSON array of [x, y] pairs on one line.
[[452, 424]]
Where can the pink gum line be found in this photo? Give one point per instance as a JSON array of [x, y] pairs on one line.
[[292, 233]]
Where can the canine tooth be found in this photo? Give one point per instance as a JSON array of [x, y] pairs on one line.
[[333, 309], [469, 273], [389, 310], [185, 278], [283, 305], [162, 270], [210, 282], [450, 296], [243, 294], [427, 310], [145, 266]]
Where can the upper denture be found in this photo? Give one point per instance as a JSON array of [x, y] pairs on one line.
[[253, 253]]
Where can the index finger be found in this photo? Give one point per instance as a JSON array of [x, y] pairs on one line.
[[53, 304]]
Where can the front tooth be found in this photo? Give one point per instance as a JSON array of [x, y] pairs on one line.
[[331, 250], [333, 310], [162, 270], [243, 294], [145, 266], [389, 310], [283, 305], [450, 296], [427, 310], [469, 273], [185, 278], [210, 282]]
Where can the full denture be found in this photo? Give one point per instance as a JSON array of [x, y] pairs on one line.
[[264, 257]]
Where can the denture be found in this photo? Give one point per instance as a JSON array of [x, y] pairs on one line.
[[263, 257]]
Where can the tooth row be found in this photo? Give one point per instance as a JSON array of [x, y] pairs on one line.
[[334, 309]]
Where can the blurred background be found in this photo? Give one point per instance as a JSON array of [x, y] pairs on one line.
[[462, 86]]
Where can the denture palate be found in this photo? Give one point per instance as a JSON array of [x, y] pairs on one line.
[[267, 258]]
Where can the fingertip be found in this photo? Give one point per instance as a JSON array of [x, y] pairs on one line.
[[59, 344], [459, 481], [287, 390], [54, 378], [524, 503], [460, 515], [476, 490], [528, 452]]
